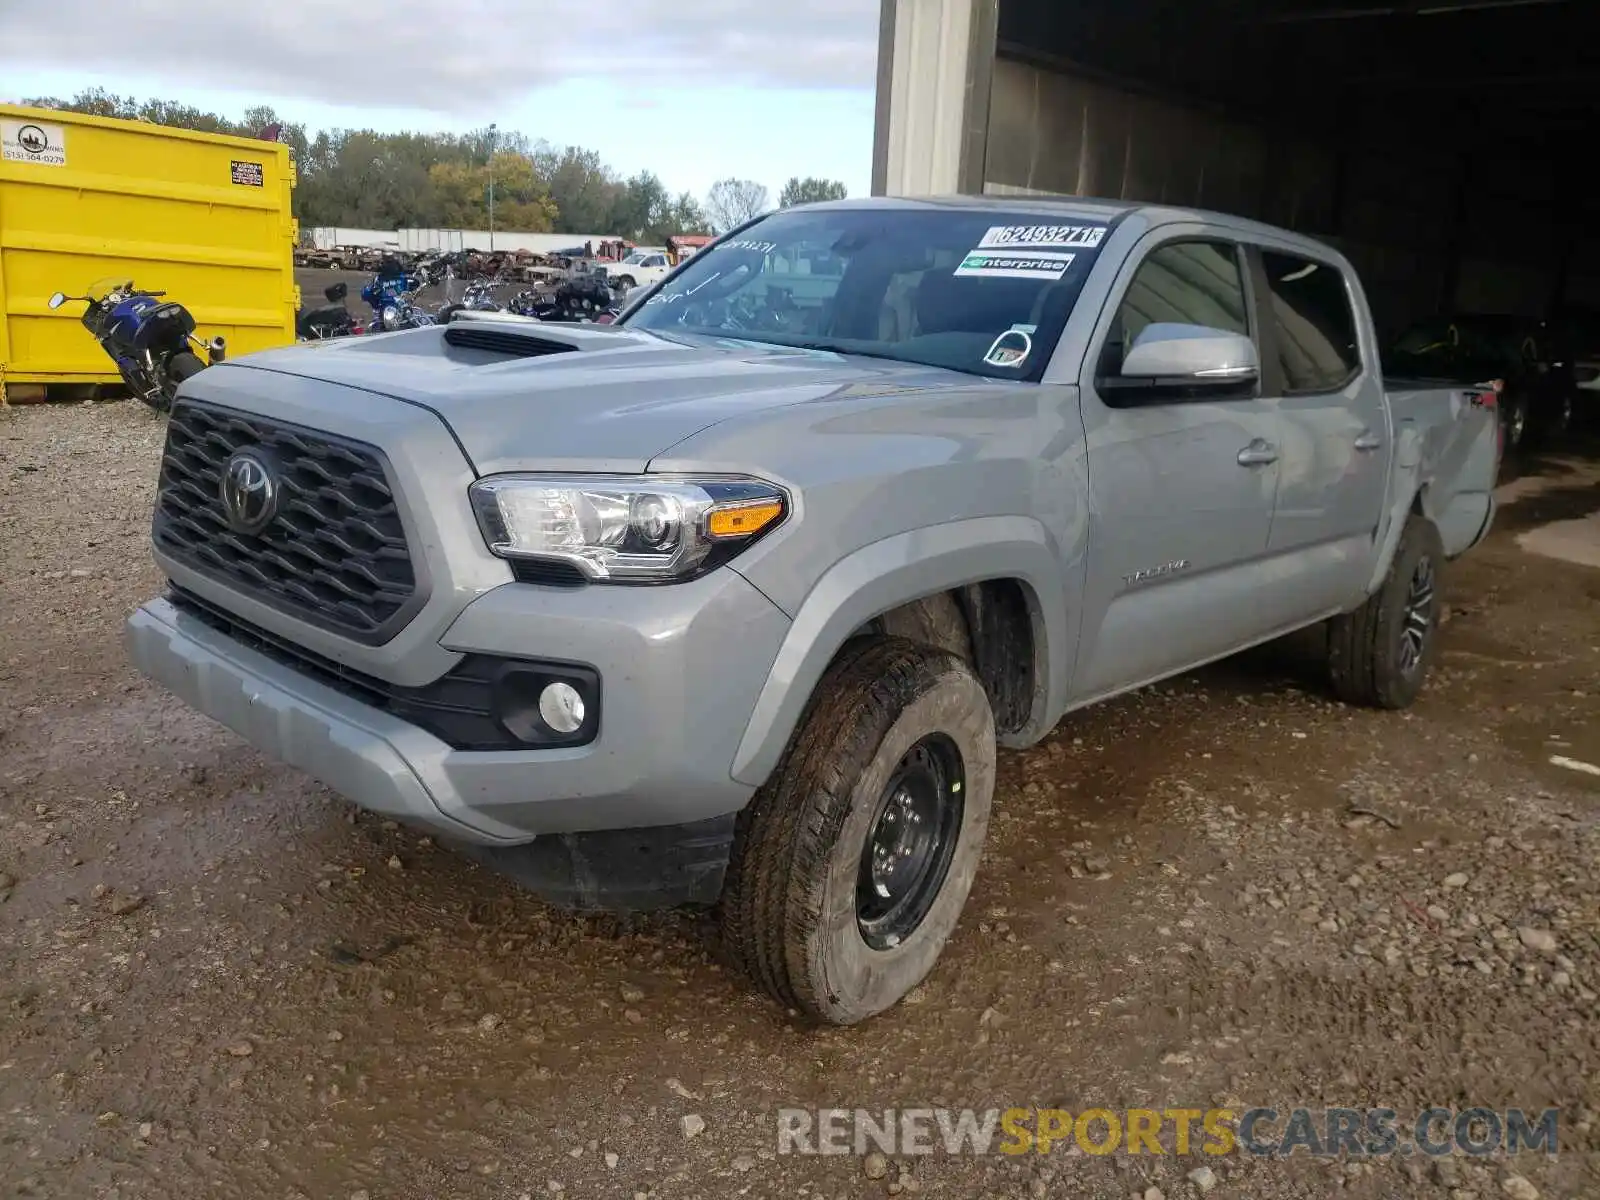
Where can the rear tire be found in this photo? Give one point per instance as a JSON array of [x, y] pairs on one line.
[[1378, 656], [180, 366], [183, 364], [1515, 417], [892, 767], [1560, 421]]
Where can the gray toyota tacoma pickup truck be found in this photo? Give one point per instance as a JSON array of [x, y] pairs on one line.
[[730, 603]]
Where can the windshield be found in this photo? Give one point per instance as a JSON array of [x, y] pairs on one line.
[[969, 289], [635, 258], [101, 288]]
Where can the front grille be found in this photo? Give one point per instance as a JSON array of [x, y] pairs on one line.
[[457, 708], [335, 554]]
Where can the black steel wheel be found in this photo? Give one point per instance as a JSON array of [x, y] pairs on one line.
[[852, 864], [907, 852]]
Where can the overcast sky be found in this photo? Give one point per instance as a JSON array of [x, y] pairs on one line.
[[694, 90]]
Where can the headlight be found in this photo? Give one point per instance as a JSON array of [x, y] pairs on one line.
[[626, 528], [391, 316]]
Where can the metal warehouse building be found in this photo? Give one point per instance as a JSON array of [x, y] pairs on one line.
[[1442, 144]]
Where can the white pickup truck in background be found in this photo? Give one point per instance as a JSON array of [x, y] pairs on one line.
[[644, 267]]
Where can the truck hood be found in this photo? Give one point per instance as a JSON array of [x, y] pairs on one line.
[[522, 396]]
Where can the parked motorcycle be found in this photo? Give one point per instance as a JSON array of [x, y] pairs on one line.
[[328, 320], [394, 304], [149, 339], [477, 297], [585, 298], [524, 303]]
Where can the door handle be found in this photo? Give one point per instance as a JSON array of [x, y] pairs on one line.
[[1258, 453], [1368, 440]]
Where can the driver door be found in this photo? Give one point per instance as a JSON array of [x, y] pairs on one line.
[[1182, 483]]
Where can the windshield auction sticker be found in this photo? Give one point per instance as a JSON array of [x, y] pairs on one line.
[[1016, 264], [1043, 237]]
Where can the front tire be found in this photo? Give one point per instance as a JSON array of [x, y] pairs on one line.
[[852, 864], [1378, 656]]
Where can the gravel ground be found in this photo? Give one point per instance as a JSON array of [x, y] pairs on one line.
[[217, 979]]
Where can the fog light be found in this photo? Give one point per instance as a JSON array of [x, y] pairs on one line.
[[561, 708]]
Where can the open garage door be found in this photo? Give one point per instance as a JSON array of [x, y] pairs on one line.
[[1442, 145]]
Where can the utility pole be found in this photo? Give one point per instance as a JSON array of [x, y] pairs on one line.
[[492, 128]]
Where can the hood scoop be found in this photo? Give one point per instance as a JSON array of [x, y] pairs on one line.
[[494, 337], [510, 335]]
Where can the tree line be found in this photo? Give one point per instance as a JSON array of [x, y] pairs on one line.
[[362, 179]]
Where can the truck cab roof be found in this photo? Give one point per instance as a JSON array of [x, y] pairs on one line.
[[1093, 208]]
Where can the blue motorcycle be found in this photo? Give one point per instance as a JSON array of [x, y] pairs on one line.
[[392, 295], [149, 339]]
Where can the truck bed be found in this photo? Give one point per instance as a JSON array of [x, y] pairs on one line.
[[1447, 439]]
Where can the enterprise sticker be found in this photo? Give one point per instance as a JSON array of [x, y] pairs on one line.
[[1021, 264], [1043, 237]]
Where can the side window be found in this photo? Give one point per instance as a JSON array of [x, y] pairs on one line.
[[1314, 325], [1191, 283]]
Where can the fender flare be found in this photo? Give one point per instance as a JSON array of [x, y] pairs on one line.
[[895, 571]]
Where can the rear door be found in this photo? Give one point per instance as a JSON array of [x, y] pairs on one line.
[[1180, 487], [1337, 437]]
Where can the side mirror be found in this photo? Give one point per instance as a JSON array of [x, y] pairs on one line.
[[1190, 356], [57, 300]]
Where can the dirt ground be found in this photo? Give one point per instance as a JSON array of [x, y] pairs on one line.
[[217, 979]]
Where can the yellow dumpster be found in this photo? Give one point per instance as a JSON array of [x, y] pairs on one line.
[[203, 217]]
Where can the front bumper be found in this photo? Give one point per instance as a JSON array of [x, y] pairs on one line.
[[681, 669]]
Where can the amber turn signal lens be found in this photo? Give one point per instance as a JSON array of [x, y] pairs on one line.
[[741, 520]]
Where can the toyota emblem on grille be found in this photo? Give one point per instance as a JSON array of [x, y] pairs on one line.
[[249, 491]]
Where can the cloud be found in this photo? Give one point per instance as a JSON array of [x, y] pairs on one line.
[[453, 57]]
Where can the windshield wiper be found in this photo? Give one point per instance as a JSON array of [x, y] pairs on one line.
[[835, 347]]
